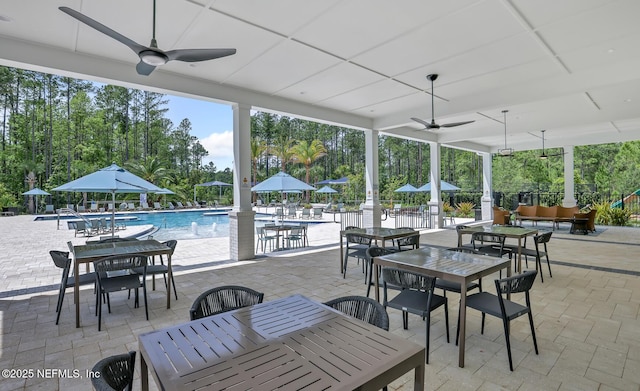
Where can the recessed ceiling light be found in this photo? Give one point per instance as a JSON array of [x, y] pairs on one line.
[[5, 18], [627, 100], [611, 51]]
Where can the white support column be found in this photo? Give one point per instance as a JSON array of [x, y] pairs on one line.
[[435, 204], [372, 210], [569, 185], [241, 218], [487, 187]]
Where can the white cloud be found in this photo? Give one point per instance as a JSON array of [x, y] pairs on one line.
[[220, 148]]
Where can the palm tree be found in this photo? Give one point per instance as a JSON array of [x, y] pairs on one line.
[[306, 153], [283, 150], [258, 149], [151, 169]]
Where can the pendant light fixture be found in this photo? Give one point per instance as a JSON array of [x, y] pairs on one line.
[[505, 151]]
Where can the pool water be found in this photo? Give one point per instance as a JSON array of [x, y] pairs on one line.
[[183, 224]]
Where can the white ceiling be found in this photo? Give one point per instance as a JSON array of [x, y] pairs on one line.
[[571, 67]]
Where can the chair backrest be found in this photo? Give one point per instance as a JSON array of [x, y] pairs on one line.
[[115, 372], [413, 241], [482, 238], [70, 245], [363, 308], [48, 208], [306, 212], [116, 263], [407, 280], [60, 259], [279, 212], [157, 205], [223, 299], [350, 227], [171, 244], [460, 227], [517, 284], [179, 203], [543, 238], [375, 251], [358, 239]]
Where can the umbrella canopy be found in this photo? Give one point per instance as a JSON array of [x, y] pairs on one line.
[[281, 182], [408, 188], [36, 192], [444, 186], [326, 189], [164, 190], [113, 179], [341, 181], [212, 183]]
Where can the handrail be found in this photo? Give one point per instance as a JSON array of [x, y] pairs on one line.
[[73, 213]]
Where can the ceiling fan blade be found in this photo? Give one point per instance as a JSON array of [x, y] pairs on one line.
[[136, 47], [144, 69], [421, 121], [451, 125], [194, 55]]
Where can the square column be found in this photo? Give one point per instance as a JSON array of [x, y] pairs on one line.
[[372, 209], [487, 187], [435, 204], [241, 218], [569, 199]]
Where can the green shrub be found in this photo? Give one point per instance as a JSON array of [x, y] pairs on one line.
[[606, 215], [465, 209]]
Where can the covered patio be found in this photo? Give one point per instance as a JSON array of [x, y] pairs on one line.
[[568, 68], [586, 316]]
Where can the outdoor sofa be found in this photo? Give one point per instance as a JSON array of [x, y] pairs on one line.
[[553, 214]]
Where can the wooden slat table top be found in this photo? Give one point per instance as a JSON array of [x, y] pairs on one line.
[[441, 262], [293, 343], [89, 252]]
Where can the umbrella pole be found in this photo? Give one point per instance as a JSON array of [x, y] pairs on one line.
[[113, 214]]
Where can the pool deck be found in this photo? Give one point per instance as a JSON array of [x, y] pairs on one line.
[[586, 316]]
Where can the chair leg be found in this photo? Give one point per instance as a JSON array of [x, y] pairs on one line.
[[539, 267], [548, 264], [405, 320], [507, 339], [344, 271], [446, 319], [533, 332], [428, 329], [144, 292], [99, 311], [369, 277]]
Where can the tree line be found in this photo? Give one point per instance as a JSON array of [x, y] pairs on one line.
[[55, 129]]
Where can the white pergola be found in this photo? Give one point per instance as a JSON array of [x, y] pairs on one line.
[[569, 67]]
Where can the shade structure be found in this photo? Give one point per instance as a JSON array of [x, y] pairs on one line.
[[281, 182], [327, 190], [341, 181], [444, 186], [113, 179], [36, 192], [212, 183], [408, 188], [164, 190]]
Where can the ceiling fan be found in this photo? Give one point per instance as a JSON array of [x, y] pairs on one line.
[[433, 124], [544, 155], [151, 56], [507, 152]]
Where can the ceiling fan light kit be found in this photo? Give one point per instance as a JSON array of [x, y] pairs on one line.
[[433, 124], [150, 56]]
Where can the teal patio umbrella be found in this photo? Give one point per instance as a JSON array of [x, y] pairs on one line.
[[212, 183], [281, 182], [36, 192], [113, 179]]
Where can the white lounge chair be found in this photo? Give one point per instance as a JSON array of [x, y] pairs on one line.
[[156, 205]]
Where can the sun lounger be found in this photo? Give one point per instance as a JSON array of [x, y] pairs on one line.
[[179, 205], [170, 205], [49, 209], [93, 207], [131, 206], [157, 206]]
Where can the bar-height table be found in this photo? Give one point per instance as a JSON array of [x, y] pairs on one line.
[[376, 233], [92, 252], [512, 232], [449, 265], [291, 343]]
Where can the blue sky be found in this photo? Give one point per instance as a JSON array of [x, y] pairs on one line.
[[211, 123]]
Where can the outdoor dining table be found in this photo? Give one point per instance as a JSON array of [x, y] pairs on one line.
[[291, 343], [512, 232], [284, 228], [377, 234], [449, 265], [88, 253]]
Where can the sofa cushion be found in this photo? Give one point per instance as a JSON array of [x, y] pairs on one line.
[[567, 212], [546, 211]]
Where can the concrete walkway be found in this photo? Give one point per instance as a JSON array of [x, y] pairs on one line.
[[586, 316]]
